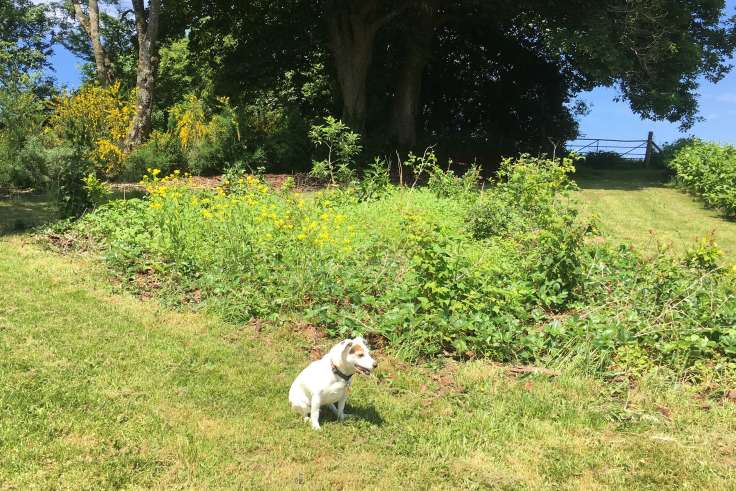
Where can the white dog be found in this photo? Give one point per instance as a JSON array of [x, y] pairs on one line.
[[326, 381]]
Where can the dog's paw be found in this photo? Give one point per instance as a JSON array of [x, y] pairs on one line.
[[316, 427], [344, 416], [306, 419]]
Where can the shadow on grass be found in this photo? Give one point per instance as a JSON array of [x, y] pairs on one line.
[[365, 413], [627, 178], [21, 212]]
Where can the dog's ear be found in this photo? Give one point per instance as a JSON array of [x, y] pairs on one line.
[[346, 345]]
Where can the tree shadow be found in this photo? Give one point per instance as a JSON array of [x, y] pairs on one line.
[[627, 178], [20, 213]]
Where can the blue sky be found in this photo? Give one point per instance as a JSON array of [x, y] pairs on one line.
[[607, 118]]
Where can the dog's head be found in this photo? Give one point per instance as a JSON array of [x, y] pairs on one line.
[[355, 355]]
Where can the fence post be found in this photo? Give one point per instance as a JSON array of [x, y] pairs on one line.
[[650, 148]]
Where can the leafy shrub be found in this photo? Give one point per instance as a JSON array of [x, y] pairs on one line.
[[22, 158], [97, 191], [161, 151], [69, 169], [275, 134], [342, 147], [707, 170], [24, 164], [208, 138], [501, 275], [530, 196], [445, 183], [606, 159], [376, 181]]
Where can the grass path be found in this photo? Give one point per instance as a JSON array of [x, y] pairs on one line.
[[637, 206], [101, 390]]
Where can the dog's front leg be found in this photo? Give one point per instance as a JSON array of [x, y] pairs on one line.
[[341, 408], [314, 416]]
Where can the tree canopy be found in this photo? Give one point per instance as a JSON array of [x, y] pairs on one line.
[[473, 69], [481, 78], [24, 42]]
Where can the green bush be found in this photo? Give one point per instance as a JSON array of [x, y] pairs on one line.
[[69, 168], [161, 151], [508, 273], [275, 135], [532, 194], [340, 147], [707, 170], [208, 137], [23, 161], [606, 159]]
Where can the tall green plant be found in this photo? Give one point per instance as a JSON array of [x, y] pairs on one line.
[[341, 146]]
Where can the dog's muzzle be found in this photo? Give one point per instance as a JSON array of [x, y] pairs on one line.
[[365, 370]]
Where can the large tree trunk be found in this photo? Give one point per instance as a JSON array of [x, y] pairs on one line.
[[352, 31], [418, 43], [147, 30], [90, 22]]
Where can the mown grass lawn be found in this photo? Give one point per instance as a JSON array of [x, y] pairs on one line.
[[638, 206], [99, 390]]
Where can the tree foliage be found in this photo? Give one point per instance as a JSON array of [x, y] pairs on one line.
[[24, 43]]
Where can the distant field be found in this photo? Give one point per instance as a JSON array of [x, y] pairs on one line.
[[638, 206]]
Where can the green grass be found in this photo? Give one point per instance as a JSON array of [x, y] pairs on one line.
[[22, 211], [101, 390], [637, 206]]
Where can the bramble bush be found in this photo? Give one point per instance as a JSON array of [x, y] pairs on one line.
[[510, 273], [707, 170]]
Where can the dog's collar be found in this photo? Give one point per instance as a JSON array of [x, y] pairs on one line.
[[337, 372]]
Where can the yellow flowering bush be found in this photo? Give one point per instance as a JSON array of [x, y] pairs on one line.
[[96, 121], [207, 136]]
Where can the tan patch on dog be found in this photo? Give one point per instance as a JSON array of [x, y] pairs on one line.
[[357, 349]]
